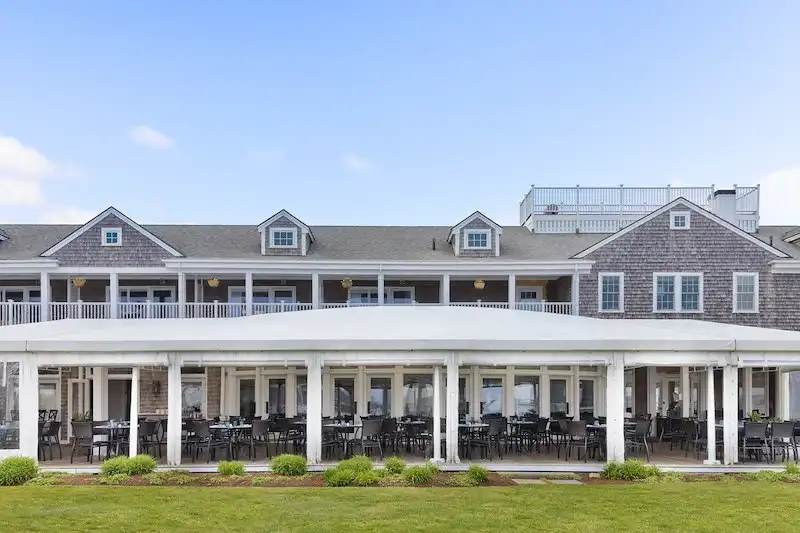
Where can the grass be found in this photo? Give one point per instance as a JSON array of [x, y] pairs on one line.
[[697, 507]]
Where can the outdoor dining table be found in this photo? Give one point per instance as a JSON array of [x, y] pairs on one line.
[[345, 428], [115, 430], [231, 431]]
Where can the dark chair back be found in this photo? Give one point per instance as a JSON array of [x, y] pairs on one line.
[[260, 427], [642, 428], [82, 430], [577, 428], [755, 430], [371, 429], [783, 430]]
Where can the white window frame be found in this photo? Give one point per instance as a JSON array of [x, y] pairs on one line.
[[389, 292], [736, 276], [269, 290], [678, 289], [26, 293], [486, 232], [621, 276], [675, 214], [104, 236], [273, 231]]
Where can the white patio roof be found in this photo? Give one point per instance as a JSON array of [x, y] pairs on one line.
[[394, 328]]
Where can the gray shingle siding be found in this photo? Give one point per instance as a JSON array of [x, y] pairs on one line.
[[706, 247], [284, 222], [136, 250], [476, 223]]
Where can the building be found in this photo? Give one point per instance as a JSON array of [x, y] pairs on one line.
[[614, 253]]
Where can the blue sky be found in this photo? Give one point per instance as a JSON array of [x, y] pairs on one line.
[[413, 112]]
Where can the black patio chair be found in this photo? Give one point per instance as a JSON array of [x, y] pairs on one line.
[[83, 438], [782, 438], [755, 440], [578, 437], [369, 437]]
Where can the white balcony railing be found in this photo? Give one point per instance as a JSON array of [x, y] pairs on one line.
[[12, 313]]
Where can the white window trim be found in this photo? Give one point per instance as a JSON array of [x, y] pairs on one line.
[[486, 232], [273, 231], [736, 276], [104, 233], [678, 287], [269, 289], [537, 288], [621, 276], [388, 290], [674, 214]]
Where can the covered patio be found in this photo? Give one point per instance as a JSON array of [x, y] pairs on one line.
[[495, 385]]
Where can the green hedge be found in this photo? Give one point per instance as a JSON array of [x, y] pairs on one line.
[[131, 466], [394, 465], [17, 470], [289, 465], [630, 470]]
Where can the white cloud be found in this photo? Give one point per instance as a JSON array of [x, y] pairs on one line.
[[150, 138], [20, 161], [778, 197], [20, 192], [356, 163], [66, 215]]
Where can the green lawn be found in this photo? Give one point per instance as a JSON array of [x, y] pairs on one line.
[[729, 507]]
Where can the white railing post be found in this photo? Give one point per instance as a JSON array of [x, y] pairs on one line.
[[148, 309], [80, 308], [480, 304], [577, 208], [283, 307], [348, 302], [11, 313], [216, 309]]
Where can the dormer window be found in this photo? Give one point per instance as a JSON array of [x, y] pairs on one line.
[[679, 220], [111, 237], [283, 238], [478, 239]]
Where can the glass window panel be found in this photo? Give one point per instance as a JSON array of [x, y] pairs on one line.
[[247, 398], [283, 238], [526, 395], [610, 293], [285, 295], [690, 293], [463, 404], [302, 394], [745, 292], [492, 396], [48, 398], [380, 396], [192, 399], [418, 395], [558, 396], [277, 396], [665, 293], [344, 393], [586, 396], [629, 391], [477, 240], [760, 393]]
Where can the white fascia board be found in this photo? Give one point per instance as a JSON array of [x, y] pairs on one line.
[[12, 348], [689, 358], [577, 358], [118, 359], [88, 270], [27, 266], [785, 266], [759, 359]]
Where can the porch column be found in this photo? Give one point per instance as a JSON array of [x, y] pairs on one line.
[[314, 409], [248, 293], [99, 398], [361, 387], [652, 404], [476, 407], [544, 393], [730, 414], [451, 421], [397, 392], [576, 393], [133, 447], [259, 393], [291, 392], [28, 406], [113, 294], [181, 295], [315, 292], [615, 412], [784, 400], [327, 397], [381, 288], [174, 408], [436, 442], [509, 406], [444, 290], [44, 285], [686, 393], [512, 291], [747, 392], [576, 283], [711, 419]]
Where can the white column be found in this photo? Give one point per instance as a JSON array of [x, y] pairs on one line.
[[600, 404], [711, 421], [686, 393], [29, 407], [381, 288], [544, 394], [444, 290], [575, 401], [133, 436], [113, 294], [451, 422], [509, 408], [730, 414], [615, 409], [99, 398], [477, 393], [291, 393], [44, 285], [361, 387], [652, 405], [222, 390], [259, 393], [181, 295], [576, 283], [174, 410], [512, 291], [327, 397], [314, 409], [397, 392], [437, 414], [747, 392], [784, 398], [315, 291], [248, 293]]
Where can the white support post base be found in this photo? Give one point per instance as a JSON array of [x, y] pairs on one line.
[[133, 439], [29, 407], [730, 414], [615, 410], [711, 422], [436, 441], [451, 422], [314, 410], [174, 409]]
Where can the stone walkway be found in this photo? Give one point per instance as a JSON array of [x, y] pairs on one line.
[[545, 481]]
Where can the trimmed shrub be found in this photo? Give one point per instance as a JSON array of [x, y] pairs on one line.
[[169, 477], [462, 479], [357, 463], [793, 469], [114, 479], [230, 468], [337, 477], [630, 470], [394, 465], [17, 470], [478, 473], [131, 466], [419, 475], [289, 465]]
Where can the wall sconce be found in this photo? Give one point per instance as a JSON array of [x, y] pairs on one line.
[[347, 283], [213, 282], [479, 284]]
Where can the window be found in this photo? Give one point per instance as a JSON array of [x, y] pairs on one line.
[[282, 237], [344, 394], [611, 292], [526, 395], [679, 220], [276, 396], [391, 295], [477, 239], [558, 398], [418, 395], [111, 237], [586, 396], [193, 394], [681, 293], [380, 397], [492, 396], [745, 292]]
